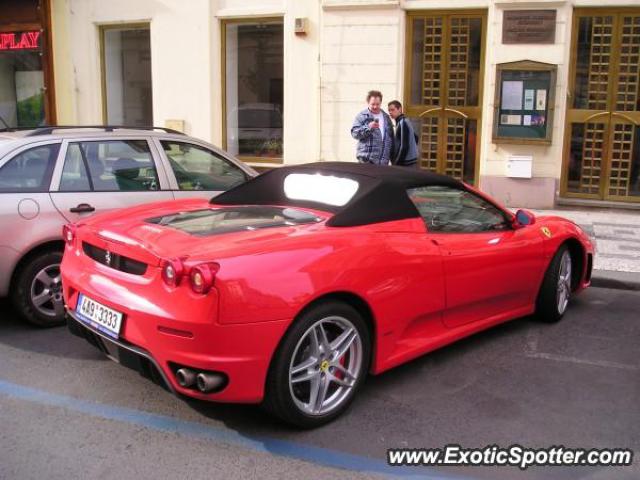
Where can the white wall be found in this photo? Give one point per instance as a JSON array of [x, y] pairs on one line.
[[361, 51], [546, 159], [181, 57]]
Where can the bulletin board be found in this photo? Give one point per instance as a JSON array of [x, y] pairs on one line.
[[524, 103]]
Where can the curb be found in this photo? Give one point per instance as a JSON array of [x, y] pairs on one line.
[[615, 280]]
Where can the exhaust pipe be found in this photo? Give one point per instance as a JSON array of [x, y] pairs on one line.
[[208, 382], [186, 378]]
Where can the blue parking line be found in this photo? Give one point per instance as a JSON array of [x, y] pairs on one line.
[[284, 448]]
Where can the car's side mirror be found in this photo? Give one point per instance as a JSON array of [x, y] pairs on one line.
[[524, 218]]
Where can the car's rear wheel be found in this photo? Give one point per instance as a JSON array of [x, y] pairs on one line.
[[37, 292], [319, 366], [555, 291]]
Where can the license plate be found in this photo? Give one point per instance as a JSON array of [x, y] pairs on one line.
[[98, 316]]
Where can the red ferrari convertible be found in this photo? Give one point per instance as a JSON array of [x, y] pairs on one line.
[[291, 288]]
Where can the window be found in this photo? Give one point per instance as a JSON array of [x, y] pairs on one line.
[[254, 71], [74, 172], [197, 168], [326, 189], [450, 210], [29, 171], [119, 165], [22, 77], [127, 75]]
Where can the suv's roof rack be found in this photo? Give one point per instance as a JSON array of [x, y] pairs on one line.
[[48, 130], [16, 129]]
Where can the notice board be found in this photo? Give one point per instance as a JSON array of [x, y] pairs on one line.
[[524, 103]]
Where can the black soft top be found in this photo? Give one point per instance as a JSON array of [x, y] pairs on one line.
[[381, 196]]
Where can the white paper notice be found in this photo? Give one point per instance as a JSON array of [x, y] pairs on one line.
[[512, 95], [528, 99], [510, 119], [526, 119], [541, 99]]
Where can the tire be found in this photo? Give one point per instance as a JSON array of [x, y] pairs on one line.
[[37, 291], [555, 291], [335, 365]]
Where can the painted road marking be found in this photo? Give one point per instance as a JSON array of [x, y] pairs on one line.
[[284, 448], [531, 351]]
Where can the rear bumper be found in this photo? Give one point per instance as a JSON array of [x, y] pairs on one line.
[[122, 352], [246, 371], [163, 329]]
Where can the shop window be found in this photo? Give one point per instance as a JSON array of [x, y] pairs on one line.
[[126, 76], [22, 82], [254, 88]]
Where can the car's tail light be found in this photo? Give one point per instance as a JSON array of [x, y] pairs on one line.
[[69, 234], [172, 272], [202, 276]]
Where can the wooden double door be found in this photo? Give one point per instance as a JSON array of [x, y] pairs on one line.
[[443, 81], [602, 134]]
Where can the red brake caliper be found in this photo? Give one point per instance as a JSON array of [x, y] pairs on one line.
[[338, 374]]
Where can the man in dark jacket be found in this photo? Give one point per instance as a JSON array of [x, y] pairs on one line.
[[405, 145]]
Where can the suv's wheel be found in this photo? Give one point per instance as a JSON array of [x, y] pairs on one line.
[[555, 291], [37, 292], [319, 366]]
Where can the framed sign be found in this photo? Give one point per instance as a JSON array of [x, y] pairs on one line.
[[524, 102], [529, 26]]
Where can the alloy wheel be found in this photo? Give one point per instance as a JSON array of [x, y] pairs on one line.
[[564, 282], [325, 365], [46, 291]]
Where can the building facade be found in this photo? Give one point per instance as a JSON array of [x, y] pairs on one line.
[[537, 102]]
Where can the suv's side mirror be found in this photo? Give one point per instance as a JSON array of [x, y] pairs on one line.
[[524, 218]]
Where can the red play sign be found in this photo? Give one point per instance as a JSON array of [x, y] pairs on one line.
[[19, 40]]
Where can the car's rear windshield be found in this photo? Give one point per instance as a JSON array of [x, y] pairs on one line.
[[215, 221]]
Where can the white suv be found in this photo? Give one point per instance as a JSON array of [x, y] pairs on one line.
[[50, 176]]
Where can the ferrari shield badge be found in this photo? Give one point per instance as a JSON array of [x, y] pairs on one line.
[[546, 232]]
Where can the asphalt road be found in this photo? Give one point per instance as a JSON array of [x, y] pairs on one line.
[[67, 412]]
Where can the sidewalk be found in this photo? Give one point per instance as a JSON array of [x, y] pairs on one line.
[[616, 234]]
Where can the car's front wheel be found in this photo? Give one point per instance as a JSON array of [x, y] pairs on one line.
[[37, 292], [555, 292], [319, 366]]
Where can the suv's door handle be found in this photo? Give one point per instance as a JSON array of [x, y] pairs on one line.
[[82, 208]]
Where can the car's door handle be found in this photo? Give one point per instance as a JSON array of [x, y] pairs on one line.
[[82, 208]]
